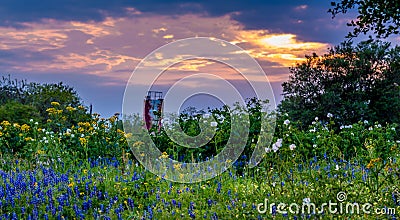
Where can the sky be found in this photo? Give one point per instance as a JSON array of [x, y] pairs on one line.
[[94, 46]]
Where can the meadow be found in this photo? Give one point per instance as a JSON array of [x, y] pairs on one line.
[[52, 170]]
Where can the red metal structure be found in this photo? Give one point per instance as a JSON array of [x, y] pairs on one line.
[[153, 106]]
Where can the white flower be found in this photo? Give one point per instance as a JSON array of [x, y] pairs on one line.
[[306, 200], [72, 135], [267, 149], [292, 146], [286, 122], [36, 123], [337, 167], [68, 130], [82, 135], [341, 127], [393, 129], [213, 124], [370, 128], [314, 146], [279, 143], [329, 115], [316, 118], [365, 122], [31, 120], [206, 115], [313, 130], [275, 148]]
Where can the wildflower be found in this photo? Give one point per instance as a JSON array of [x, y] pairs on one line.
[[329, 115], [213, 124], [177, 166], [6, 123], [25, 127], [275, 148], [337, 167], [70, 109], [163, 156], [55, 104], [292, 146], [83, 140], [316, 118], [306, 200], [267, 149], [365, 122], [286, 122]]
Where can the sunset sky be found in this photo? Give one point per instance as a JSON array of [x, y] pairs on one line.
[[95, 45]]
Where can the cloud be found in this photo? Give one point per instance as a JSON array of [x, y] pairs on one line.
[[114, 46], [301, 7]]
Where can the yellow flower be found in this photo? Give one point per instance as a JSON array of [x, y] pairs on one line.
[[51, 111], [83, 141], [1, 134], [177, 166], [129, 135], [81, 107], [25, 127], [16, 125], [137, 144], [164, 155], [5, 123], [71, 185], [55, 104], [70, 109], [85, 171], [26, 139]]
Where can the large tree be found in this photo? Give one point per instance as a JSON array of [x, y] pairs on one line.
[[382, 17], [352, 83]]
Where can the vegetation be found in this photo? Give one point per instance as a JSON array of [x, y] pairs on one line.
[[354, 83], [379, 16]]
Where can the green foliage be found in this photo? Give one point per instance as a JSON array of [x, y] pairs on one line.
[[36, 98], [354, 83], [19, 113], [382, 17]]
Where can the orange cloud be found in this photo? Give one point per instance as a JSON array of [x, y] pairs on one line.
[[114, 47]]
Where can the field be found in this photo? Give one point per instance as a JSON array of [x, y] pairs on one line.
[[52, 171]]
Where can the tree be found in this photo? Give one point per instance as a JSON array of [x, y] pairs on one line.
[[352, 83], [21, 101], [382, 17]]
